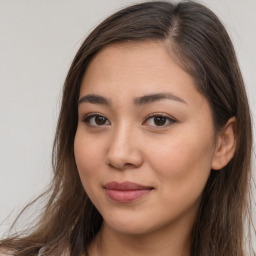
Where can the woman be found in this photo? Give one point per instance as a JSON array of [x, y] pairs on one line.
[[153, 145]]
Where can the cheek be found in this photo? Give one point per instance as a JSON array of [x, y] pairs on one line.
[[180, 157], [183, 165], [87, 157]]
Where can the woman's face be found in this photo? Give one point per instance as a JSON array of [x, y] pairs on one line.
[[145, 140]]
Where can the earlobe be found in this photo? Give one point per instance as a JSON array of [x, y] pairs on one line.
[[225, 145]]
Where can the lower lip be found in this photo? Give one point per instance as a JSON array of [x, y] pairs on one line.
[[125, 196]]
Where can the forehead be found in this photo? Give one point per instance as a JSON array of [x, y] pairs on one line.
[[135, 69]]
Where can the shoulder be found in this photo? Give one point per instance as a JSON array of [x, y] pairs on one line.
[[5, 252]]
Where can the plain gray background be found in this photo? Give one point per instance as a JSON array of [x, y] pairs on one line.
[[38, 40]]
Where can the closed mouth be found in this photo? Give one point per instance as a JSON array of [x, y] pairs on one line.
[[126, 191]]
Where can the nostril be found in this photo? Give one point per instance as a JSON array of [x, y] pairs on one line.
[[121, 165]]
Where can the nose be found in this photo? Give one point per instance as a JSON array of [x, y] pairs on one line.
[[123, 151]]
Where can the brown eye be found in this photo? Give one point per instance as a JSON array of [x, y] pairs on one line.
[[159, 121], [96, 120], [100, 120]]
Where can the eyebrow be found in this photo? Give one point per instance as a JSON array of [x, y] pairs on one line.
[[146, 99], [95, 99]]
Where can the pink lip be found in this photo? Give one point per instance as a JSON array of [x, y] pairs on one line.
[[125, 191]]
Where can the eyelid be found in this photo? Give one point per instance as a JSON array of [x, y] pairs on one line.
[[160, 114], [167, 116], [86, 118]]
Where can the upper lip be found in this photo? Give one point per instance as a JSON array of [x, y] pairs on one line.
[[125, 186]]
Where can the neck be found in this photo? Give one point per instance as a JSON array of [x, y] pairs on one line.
[[174, 242]]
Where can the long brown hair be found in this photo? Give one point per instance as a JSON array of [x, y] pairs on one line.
[[199, 43]]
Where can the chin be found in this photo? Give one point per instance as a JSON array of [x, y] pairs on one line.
[[128, 226]]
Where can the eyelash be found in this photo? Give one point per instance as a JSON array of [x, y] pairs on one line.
[[162, 115], [87, 119]]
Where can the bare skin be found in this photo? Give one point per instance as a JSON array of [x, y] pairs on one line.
[[142, 121]]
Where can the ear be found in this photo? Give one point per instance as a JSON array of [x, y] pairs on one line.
[[225, 145]]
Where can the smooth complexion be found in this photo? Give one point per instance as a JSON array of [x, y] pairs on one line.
[[144, 148]]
